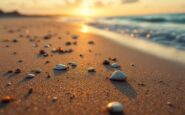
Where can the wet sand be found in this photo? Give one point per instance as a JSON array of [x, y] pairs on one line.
[[152, 82]]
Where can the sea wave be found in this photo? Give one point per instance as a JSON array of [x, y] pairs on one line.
[[166, 29]]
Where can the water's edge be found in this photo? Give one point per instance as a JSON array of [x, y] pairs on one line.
[[162, 51]]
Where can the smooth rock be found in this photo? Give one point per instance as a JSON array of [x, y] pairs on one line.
[[115, 65], [115, 107], [61, 67], [106, 62], [118, 76], [91, 69], [30, 76], [73, 64]]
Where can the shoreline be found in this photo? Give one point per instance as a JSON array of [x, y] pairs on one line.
[[149, 47]]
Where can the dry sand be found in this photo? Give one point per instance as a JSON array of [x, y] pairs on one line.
[[151, 83]]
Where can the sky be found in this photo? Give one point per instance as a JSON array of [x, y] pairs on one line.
[[94, 7]]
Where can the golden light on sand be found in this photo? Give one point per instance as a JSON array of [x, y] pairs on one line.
[[84, 29]]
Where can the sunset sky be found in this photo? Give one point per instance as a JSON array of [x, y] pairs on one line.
[[94, 7]]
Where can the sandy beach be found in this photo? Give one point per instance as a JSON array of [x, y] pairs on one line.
[[154, 86]]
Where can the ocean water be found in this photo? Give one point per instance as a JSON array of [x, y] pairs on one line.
[[166, 29]]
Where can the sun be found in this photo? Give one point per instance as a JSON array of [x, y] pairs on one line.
[[85, 11]]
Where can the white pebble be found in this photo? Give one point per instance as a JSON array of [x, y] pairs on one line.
[[115, 107], [61, 67], [115, 65], [118, 75]]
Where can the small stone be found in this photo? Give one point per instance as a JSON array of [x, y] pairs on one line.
[[118, 76], [115, 107], [9, 83], [37, 70], [42, 52], [115, 65], [91, 69], [30, 76], [48, 76], [113, 59], [30, 91], [61, 67], [91, 42], [15, 40], [132, 65], [47, 37], [47, 62], [54, 50], [68, 43], [20, 61], [54, 99], [73, 64], [75, 36], [60, 50], [169, 103], [81, 55], [9, 71], [17, 71], [47, 45], [7, 99], [106, 62]]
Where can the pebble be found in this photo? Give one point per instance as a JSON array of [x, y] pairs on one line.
[[37, 70], [91, 42], [75, 36], [9, 71], [61, 67], [91, 69], [113, 59], [73, 64], [17, 71], [30, 91], [115, 107], [30, 76], [9, 83], [169, 103], [20, 61], [7, 99], [118, 75], [54, 50], [54, 99], [47, 45], [115, 65], [68, 43], [15, 40], [106, 62]]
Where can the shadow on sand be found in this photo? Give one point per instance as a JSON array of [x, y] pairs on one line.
[[3, 105], [120, 113], [58, 73], [125, 88]]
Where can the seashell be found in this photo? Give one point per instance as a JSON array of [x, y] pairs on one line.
[[30, 76], [118, 75], [115, 107], [115, 65], [61, 67]]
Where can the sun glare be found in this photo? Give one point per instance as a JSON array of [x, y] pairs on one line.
[[85, 11]]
